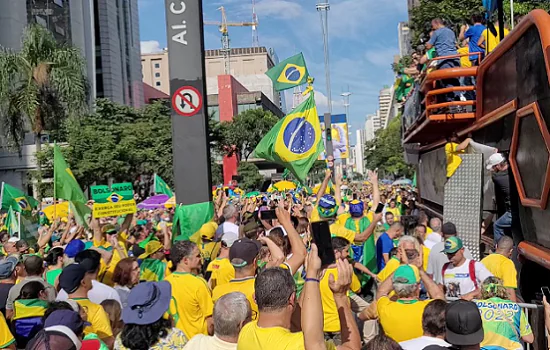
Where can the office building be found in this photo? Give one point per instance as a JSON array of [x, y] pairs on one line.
[[404, 39], [156, 72], [117, 47], [372, 123], [386, 107], [360, 151]]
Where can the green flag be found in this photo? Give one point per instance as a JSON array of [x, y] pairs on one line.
[[65, 184], [17, 199], [81, 212], [295, 141], [161, 187], [188, 220], [12, 224], [289, 73]]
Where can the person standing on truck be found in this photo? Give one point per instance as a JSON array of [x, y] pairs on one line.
[[461, 277], [472, 34], [498, 165], [453, 148]]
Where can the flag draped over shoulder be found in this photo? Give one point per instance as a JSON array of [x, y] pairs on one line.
[[12, 224], [17, 199], [289, 73], [295, 141], [66, 186], [161, 187], [188, 220], [152, 270], [25, 308]]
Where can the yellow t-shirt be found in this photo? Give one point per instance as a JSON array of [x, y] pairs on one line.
[[491, 41], [272, 338], [191, 303], [331, 319], [425, 256], [339, 230], [97, 317], [222, 272], [453, 158], [503, 268], [6, 338], [428, 231], [243, 285], [390, 268], [107, 272], [464, 60], [209, 250], [401, 320], [395, 211]]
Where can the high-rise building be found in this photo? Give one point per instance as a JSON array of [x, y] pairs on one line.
[[360, 151], [372, 124], [117, 51], [156, 73], [386, 106], [404, 39]]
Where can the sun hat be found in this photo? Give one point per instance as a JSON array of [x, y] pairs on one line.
[[147, 303], [151, 248]]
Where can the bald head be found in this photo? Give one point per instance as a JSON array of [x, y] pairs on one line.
[[435, 224], [505, 245]]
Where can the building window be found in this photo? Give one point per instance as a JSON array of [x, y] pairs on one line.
[[157, 83], [157, 65], [157, 75]]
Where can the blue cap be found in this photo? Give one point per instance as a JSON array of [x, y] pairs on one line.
[[67, 318], [7, 266], [147, 302], [356, 208], [74, 247]]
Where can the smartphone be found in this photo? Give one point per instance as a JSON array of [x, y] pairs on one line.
[[379, 208], [227, 192], [323, 240], [268, 215], [546, 292]]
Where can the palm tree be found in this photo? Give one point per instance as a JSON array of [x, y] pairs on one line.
[[40, 86]]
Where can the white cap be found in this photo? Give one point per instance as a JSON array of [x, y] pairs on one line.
[[495, 159], [229, 238], [13, 239]]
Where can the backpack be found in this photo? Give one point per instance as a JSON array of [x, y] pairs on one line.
[[471, 269]]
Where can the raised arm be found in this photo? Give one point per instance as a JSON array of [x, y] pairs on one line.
[[324, 185], [277, 255], [338, 190], [312, 307], [463, 145], [363, 236], [297, 246], [373, 176]]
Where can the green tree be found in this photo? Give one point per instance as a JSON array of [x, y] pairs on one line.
[[385, 151], [241, 135], [252, 179], [40, 86]]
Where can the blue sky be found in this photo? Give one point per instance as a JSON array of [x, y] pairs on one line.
[[363, 41]]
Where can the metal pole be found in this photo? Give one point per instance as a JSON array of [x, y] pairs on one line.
[[500, 9], [512, 14], [323, 8]]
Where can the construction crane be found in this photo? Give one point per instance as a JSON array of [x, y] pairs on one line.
[[223, 25]]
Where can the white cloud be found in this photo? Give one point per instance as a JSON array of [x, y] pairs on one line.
[[321, 100], [282, 9], [381, 57], [151, 46]]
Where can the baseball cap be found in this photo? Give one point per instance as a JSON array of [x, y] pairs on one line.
[[67, 318], [13, 239], [208, 230], [7, 266], [141, 222], [452, 245], [494, 159], [464, 325], [72, 275], [406, 274], [109, 229], [448, 229], [151, 248], [74, 247], [245, 249], [251, 226], [147, 303], [229, 239]]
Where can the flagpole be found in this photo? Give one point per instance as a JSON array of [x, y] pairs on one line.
[[2, 194], [19, 224], [155, 183], [54, 186]]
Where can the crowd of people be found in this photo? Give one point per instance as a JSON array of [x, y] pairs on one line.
[[398, 279]]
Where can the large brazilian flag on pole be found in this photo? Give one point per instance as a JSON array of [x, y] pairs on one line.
[[295, 141]]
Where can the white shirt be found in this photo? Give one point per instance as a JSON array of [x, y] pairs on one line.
[[432, 239], [458, 282], [204, 342], [422, 342], [437, 259], [97, 294], [226, 228]]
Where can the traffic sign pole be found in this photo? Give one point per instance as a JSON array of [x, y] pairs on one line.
[[192, 173]]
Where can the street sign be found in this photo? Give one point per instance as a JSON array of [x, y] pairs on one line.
[[185, 34], [187, 101]]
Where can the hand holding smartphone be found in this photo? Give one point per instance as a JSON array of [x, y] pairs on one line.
[[323, 240], [546, 292], [379, 208]]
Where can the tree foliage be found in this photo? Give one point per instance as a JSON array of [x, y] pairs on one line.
[[40, 86], [251, 177], [385, 151], [241, 135]]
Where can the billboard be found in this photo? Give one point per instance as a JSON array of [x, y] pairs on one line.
[[340, 139]]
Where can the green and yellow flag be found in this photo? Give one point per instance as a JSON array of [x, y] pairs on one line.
[[16, 199], [152, 270], [161, 187], [25, 308], [295, 141], [12, 224], [188, 220], [289, 73], [65, 184]]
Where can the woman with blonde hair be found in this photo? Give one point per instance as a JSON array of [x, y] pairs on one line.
[[504, 321]]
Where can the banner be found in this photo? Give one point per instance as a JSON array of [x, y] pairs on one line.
[[340, 140], [115, 201]]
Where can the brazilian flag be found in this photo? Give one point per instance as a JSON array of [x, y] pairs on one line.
[[25, 308], [161, 187], [152, 270], [295, 141], [12, 224], [289, 73], [16, 199]]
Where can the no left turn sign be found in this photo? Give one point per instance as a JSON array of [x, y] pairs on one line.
[[187, 101]]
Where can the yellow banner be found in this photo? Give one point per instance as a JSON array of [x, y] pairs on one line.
[[114, 209]]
